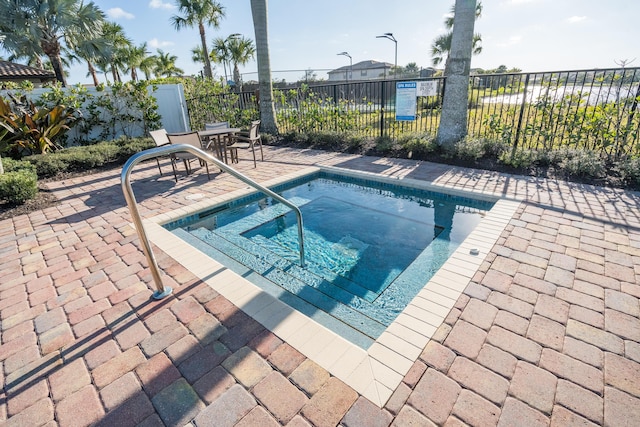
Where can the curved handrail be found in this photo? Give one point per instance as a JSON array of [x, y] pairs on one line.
[[135, 214]]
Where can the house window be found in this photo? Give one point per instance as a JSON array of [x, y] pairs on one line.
[[363, 73]]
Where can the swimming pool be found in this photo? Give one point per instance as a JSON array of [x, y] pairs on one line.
[[370, 246], [376, 371]]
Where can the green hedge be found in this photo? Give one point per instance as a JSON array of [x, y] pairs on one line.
[[82, 158], [18, 186]]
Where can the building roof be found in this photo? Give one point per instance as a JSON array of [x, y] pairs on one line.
[[362, 65], [13, 71]]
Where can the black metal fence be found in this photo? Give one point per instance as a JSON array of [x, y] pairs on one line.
[[587, 109]]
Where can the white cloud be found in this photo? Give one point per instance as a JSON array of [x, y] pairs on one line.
[[159, 4], [520, 1], [116, 13], [156, 44], [576, 19], [513, 40]]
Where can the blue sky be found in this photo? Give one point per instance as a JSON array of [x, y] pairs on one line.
[[534, 35]]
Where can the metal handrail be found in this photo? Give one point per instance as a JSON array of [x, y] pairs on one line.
[[152, 153]]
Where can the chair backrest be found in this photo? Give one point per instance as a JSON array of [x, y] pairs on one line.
[[190, 138], [253, 130], [218, 125], [159, 137]]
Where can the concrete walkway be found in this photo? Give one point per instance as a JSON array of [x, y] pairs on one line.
[[546, 333]]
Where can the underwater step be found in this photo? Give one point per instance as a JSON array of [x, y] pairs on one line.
[[277, 270]]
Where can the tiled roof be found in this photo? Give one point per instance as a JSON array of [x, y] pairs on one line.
[[13, 71], [363, 65]]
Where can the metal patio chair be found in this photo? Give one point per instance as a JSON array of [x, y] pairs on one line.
[[188, 138], [248, 140]]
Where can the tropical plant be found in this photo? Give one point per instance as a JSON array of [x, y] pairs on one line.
[[47, 26], [441, 47], [198, 13], [241, 51], [134, 58], [115, 59], [26, 129], [165, 65], [220, 53], [267, 110]]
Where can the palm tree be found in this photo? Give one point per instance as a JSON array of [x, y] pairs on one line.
[[241, 51], [91, 51], [166, 65], [220, 53], [441, 46], [199, 12], [453, 122], [267, 110], [120, 43], [147, 66], [135, 56], [46, 26]]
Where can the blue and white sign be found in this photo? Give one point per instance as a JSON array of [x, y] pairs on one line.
[[406, 95]]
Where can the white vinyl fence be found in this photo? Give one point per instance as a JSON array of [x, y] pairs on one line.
[[172, 109]]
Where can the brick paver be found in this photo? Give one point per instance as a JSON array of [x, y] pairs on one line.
[[547, 332]]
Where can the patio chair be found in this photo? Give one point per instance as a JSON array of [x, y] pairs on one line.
[[188, 138], [248, 140], [160, 138]]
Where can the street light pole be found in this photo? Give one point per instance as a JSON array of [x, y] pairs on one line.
[[350, 64], [393, 39]]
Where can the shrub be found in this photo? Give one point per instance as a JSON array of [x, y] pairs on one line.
[[18, 186], [584, 164], [519, 159], [384, 144], [48, 165], [417, 145], [326, 139], [11, 165], [127, 147], [83, 158], [27, 129], [477, 148], [629, 170]]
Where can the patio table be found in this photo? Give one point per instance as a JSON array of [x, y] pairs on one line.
[[212, 139]]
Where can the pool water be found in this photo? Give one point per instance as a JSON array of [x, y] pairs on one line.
[[370, 247]]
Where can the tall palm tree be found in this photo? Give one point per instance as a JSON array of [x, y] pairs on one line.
[[453, 122], [441, 46], [260, 26], [120, 43], [147, 66], [49, 24], [241, 51], [220, 53], [91, 50], [166, 65], [199, 12], [135, 55]]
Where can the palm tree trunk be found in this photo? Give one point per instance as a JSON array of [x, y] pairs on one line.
[[453, 122], [1, 167], [207, 63], [51, 48], [236, 77], [93, 73], [267, 111]]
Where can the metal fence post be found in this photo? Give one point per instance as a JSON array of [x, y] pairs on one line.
[[524, 102], [382, 105]]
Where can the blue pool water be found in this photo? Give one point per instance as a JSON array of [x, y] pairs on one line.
[[370, 247]]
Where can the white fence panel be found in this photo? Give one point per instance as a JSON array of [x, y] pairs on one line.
[[172, 108]]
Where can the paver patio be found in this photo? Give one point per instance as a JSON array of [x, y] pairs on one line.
[[546, 333]]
